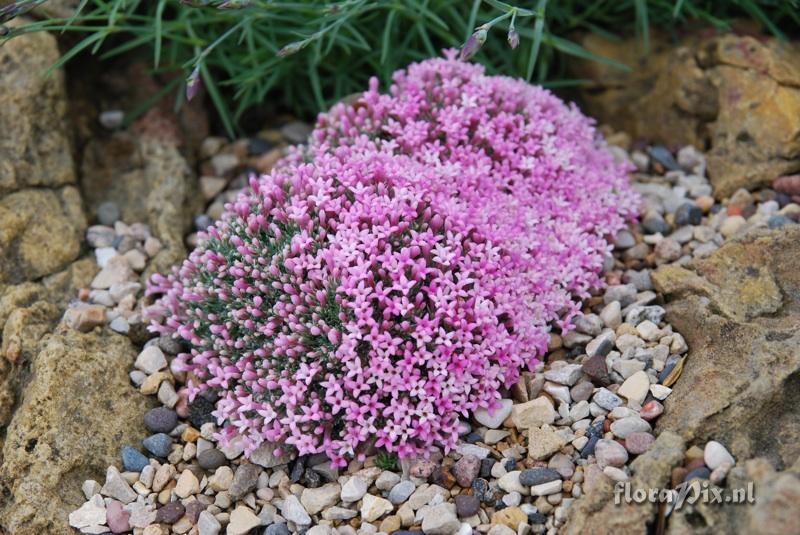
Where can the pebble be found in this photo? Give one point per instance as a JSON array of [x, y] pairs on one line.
[[441, 520], [651, 410], [188, 484], [616, 474], [466, 505], [660, 392], [688, 214], [715, 455], [160, 420], [732, 225], [117, 519], [496, 419], [245, 480], [534, 413], [90, 516], [315, 500], [374, 507], [207, 524], [170, 513], [133, 460], [151, 360], [635, 387], [354, 489], [632, 424], [606, 399], [565, 375], [211, 459], [159, 444], [466, 470], [117, 487], [242, 520], [537, 476], [293, 511], [639, 442], [610, 453]]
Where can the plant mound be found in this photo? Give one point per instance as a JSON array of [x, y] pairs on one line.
[[401, 269]]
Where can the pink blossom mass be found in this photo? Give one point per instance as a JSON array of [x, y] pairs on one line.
[[401, 269]]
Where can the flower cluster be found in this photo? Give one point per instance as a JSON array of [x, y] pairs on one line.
[[401, 269]]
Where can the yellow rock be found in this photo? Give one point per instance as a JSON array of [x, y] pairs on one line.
[[510, 516]]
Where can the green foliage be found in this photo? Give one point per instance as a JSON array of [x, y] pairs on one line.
[[306, 54], [386, 461]]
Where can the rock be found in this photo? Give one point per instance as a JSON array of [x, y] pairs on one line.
[[635, 387], [534, 413], [116, 487], [245, 480], [466, 505], [596, 513], [738, 315], [610, 453], [543, 442], [466, 469], [265, 457], [116, 518], [606, 399], [771, 509], [170, 513], [211, 459], [374, 507], [596, 368], [293, 511], [496, 419], [441, 520], [715, 90], [39, 154], [160, 420], [546, 489], [651, 410], [42, 231], [537, 476], [243, 519], [42, 488], [565, 375], [207, 524], [148, 179], [510, 483], [85, 317], [151, 360], [91, 515], [188, 484], [630, 424], [639, 442], [315, 500], [354, 489], [159, 445], [511, 517], [715, 455], [400, 492]]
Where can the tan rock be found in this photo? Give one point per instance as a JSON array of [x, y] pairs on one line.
[[543, 442], [511, 517], [534, 413], [61, 433]]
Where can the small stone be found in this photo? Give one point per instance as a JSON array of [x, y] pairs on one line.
[[496, 419], [188, 484], [293, 511], [170, 513], [565, 375], [207, 524], [715, 454], [466, 470], [651, 410], [133, 460], [612, 314], [151, 360], [211, 459], [616, 474], [200, 410], [160, 420], [90, 487], [639, 442], [354, 489], [242, 520], [466, 505], [400, 492], [590, 324], [159, 445], [732, 225], [117, 519], [688, 214], [625, 294], [510, 483], [606, 399], [511, 517], [117, 487], [116, 270], [222, 479], [534, 413], [441, 520], [596, 368], [635, 387], [387, 480], [167, 395], [85, 317], [374, 507], [390, 524], [610, 453], [542, 443], [660, 392], [537, 476], [244, 480], [90, 516], [421, 468], [546, 489], [668, 250], [648, 331], [632, 424], [315, 500]]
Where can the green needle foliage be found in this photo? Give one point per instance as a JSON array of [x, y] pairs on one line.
[[306, 54]]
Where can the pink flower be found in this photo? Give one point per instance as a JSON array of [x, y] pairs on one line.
[[401, 269]]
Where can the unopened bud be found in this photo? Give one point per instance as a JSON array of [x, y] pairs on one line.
[[473, 44]]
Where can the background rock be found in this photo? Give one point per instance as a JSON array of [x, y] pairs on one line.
[[775, 509], [34, 147], [737, 95], [739, 311], [62, 432]]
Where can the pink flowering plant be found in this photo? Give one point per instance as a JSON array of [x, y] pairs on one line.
[[399, 271]]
